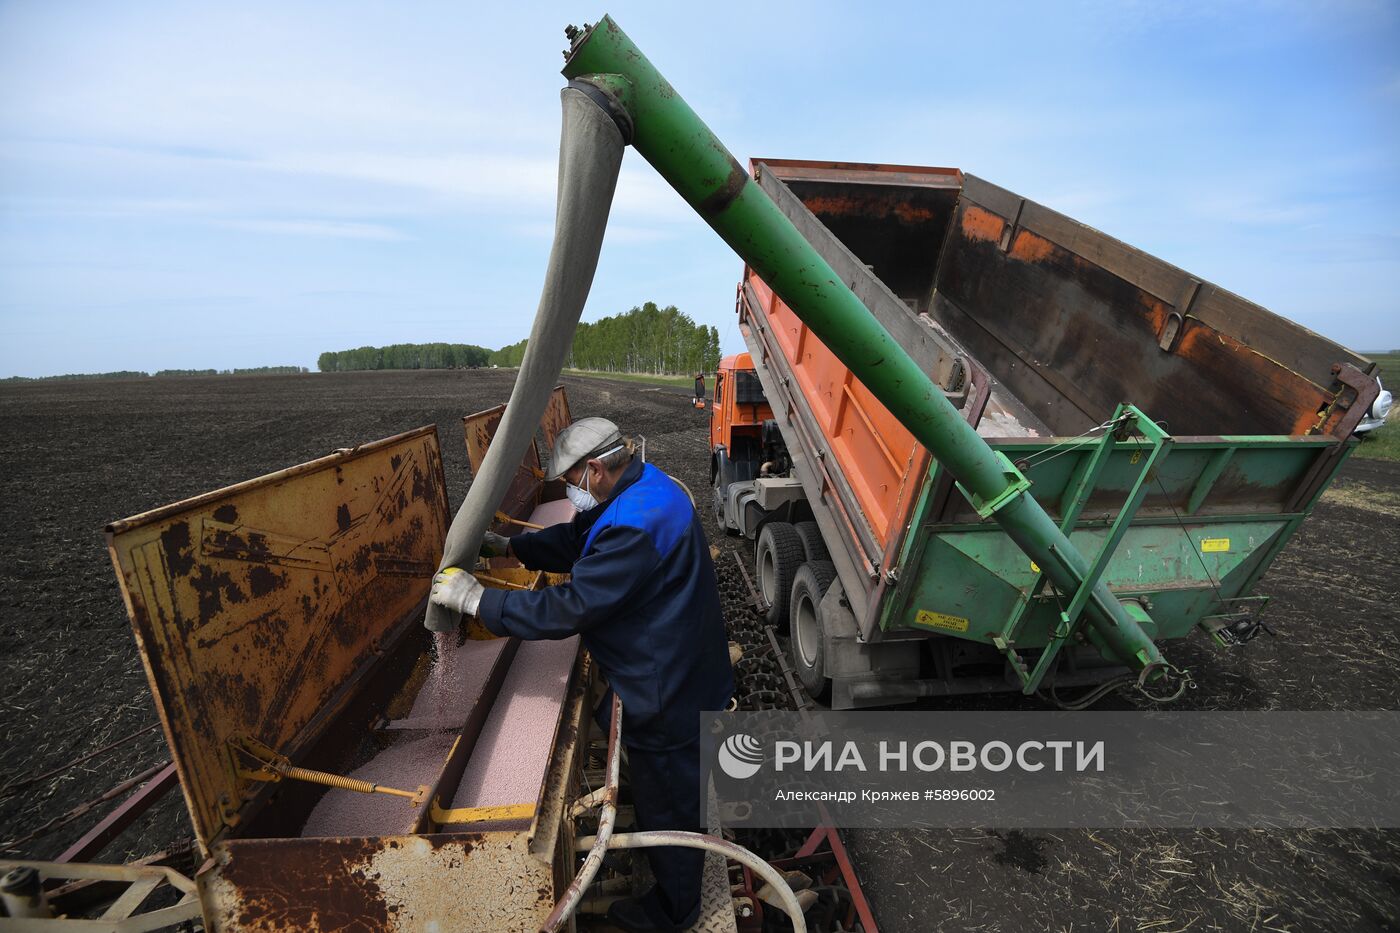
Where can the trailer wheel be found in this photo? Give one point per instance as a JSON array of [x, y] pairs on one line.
[[777, 557], [806, 645], [812, 544]]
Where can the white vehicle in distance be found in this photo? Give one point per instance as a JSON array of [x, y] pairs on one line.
[[1379, 409]]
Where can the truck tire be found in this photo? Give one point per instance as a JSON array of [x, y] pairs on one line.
[[805, 646], [777, 557], [812, 544], [720, 519]]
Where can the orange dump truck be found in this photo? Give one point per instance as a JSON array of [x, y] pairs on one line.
[[1177, 433]]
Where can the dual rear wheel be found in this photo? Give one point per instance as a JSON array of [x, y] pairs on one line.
[[794, 571], [806, 637]]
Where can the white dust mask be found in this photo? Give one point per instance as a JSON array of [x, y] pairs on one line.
[[581, 497]]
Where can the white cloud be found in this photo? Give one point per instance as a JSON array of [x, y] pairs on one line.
[[316, 228], [1254, 209], [472, 176], [460, 181], [525, 183]]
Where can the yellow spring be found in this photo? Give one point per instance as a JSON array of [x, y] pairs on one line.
[[344, 783]]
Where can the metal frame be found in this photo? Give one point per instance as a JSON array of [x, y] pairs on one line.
[[110, 826], [121, 915], [1077, 495]]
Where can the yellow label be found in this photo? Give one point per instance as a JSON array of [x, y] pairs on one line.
[[1215, 544], [1035, 568], [939, 620]]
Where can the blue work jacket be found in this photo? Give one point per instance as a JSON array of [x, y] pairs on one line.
[[644, 597]]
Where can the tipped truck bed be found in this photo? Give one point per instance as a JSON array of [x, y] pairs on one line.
[[1037, 328]]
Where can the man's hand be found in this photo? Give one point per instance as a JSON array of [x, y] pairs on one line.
[[494, 545], [457, 590]]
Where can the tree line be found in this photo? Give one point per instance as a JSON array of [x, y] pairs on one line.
[[404, 356], [141, 374], [646, 339], [247, 371]]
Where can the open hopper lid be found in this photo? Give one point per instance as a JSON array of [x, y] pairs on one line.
[[258, 607]]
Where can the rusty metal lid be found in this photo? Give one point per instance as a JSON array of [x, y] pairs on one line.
[[255, 605]]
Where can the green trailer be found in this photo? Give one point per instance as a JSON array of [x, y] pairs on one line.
[[1030, 453]]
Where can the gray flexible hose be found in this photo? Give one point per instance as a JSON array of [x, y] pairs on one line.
[[590, 156]]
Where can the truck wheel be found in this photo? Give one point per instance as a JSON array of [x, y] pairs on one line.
[[720, 520], [812, 544], [778, 555], [805, 646]]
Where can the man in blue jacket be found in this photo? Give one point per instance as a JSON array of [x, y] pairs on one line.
[[643, 596]]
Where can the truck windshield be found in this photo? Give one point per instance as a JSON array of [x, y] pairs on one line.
[[747, 389]]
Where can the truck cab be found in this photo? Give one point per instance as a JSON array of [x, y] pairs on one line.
[[744, 444]]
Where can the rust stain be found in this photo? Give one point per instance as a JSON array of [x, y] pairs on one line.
[[303, 884], [837, 205], [1273, 384], [471, 882], [556, 416], [1305, 424], [725, 192], [979, 224], [478, 431], [915, 214], [214, 588], [1028, 247], [1155, 312], [262, 581], [179, 551]]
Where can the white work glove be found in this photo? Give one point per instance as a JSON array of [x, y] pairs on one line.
[[457, 590], [494, 545]]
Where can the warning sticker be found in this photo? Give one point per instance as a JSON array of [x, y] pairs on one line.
[[939, 620], [1215, 544]]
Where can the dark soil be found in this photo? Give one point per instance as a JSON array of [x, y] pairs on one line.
[[81, 454]]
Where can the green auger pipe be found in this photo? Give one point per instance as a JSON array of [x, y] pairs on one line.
[[692, 159]]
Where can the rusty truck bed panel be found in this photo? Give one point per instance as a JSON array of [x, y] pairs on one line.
[[1073, 322], [1275, 338], [898, 214], [252, 609]]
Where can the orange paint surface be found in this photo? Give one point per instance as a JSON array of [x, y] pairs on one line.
[[845, 206], [978, 224], [1157, 311], [868, 445], [1031, 248], [728, 419]]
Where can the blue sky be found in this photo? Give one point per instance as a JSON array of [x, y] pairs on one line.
[[185, 185]]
